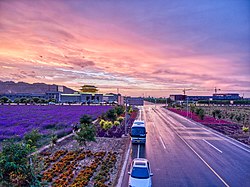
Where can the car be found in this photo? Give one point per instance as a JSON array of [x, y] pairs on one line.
[[140, 173]]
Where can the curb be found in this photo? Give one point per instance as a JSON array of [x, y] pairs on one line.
[[119, 184]]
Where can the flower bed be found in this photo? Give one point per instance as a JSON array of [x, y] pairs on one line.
[[49, 119], [223, 126], [72, 165], [207, 119]]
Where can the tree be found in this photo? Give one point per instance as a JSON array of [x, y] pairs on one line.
[[4, 99], [86, 119], [17, 101], [111, 114], [36, 99], [23, 100], [86, 133], [119, 110], [15, 168], [201, 114]]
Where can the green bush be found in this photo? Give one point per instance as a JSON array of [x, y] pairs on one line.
[[245, 129], [119, 110], [111, 115], [32, 137], [116, 123], [86, 133], [107, 125], [120, 119], [15, 169], [86, 119], [101, 123]]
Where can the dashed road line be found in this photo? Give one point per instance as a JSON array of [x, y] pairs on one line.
[[138, 151], [162, 142], [212, 145]]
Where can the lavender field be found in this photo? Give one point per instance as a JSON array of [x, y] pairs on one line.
[[49, 119]]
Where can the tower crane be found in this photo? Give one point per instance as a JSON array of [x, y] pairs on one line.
[[184, 90], [216, 89]]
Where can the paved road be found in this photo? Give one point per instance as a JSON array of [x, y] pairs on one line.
[[183, 153]]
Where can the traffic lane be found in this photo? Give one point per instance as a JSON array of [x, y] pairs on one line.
[[175, 165], [230, 161]]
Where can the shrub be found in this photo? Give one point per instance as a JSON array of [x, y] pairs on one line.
[[201, 113], [119, 110], [14, 163], [116, 123], [120, 119], [87, 133], [101, 123], [32, 137], [107, 125], [111, 115], [245, 129], [86, 119]]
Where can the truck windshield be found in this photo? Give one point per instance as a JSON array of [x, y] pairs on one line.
[[138, 131]]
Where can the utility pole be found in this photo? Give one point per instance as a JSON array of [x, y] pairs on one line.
[[184, 92]]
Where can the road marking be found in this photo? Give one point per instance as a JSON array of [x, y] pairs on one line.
[[138, 151], [200, 158], [162, 142], [226, 138], [212, 145], [154, 124]]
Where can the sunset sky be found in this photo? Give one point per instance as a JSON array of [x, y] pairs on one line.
[[145, 47]]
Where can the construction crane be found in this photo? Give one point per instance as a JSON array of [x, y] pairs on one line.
[[215, 90], [184, 90]]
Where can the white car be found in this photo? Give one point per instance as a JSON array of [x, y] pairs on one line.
[[140, 173]]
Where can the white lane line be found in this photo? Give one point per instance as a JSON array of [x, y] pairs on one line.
[[162, 142], [226, 138], [212, 145], [202, 160], [205, 162], [138, 151]]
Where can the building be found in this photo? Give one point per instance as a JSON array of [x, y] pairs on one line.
[[134, 101], [221, 96], [198, 98], [226, 96], [178, 97]]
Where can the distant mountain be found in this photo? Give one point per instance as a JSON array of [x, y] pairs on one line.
[[22, 87]]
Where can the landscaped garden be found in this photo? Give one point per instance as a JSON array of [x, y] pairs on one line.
[[90, 156], [232, 121]]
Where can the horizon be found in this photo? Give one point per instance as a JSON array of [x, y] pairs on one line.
[[141, 48]]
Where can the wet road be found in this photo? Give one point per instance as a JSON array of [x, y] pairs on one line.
[[183, 153]]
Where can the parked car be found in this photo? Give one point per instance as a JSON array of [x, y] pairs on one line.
[[140, 173]]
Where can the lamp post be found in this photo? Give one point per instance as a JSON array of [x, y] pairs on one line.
[[126, 118]]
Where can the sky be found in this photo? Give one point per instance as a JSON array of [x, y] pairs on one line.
[[144, 48]]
